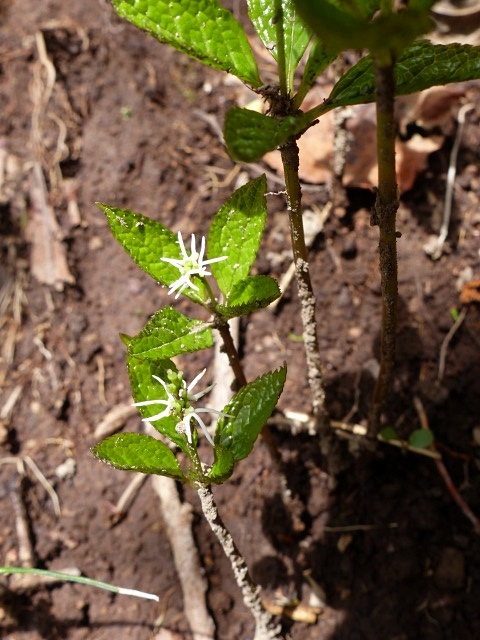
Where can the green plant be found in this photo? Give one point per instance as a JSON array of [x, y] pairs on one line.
[[292, 30]]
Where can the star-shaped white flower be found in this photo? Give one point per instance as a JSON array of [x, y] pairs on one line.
[[190, 265], [179, 405], [169, 406]]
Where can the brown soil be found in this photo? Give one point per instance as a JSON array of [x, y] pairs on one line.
[[393, 553]]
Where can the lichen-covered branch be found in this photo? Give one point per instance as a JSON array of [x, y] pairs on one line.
[[290, 161], [265, 628]]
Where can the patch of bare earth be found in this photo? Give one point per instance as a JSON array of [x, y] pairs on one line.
[[93, 110]]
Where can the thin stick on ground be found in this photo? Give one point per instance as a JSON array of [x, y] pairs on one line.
[[265, 627], [442, 470]]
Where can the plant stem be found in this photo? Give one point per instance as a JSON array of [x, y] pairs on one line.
[[231, 350], [265, 628], [280, 35], [290, 160], [386, 207]]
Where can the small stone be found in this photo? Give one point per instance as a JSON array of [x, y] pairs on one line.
[[95, 243], [67, 469]]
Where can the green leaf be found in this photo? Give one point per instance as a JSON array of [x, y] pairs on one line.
[[421, 5], [202, 29], [147, 241], [296, 34], [318, 60], [249, 409], [169, 333], [389, 433], [145, 387], [222, 467], [421, 66], [249, 135], [138, 452], [249, 295], [236, 232], [366, 8], [338, 29], [421, 438], [347, 26]]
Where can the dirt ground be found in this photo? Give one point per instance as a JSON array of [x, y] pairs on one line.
[[93, 110]]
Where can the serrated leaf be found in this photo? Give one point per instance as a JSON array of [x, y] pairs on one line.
[[421, 438], [249, 135], [138, 452], [318, 60], [147, 241], [202, 29], [169, 333], [236, 232], [222, 467], [421, 66], [296, 34], [249, 409], [145, 387], [249, 295]]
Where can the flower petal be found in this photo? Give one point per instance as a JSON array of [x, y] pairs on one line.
[[196, 379], [203, 427]]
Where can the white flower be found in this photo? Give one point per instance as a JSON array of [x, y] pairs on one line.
[[190, 265], [168, 403], [178, 404]]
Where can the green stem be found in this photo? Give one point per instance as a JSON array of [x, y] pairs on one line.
[[280, 33], [290, 160], [386, 207]]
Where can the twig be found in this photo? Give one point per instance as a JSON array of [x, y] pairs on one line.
[[302, 423], [45, 484], [446, 342], [26, 554], [352, 528], [386, 207], [114, 420], [265, 628], [318, 220], [290, 160], [435, 250], [467, 512], [178, 523], [127, 498], [10, 403], [101, 379]]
